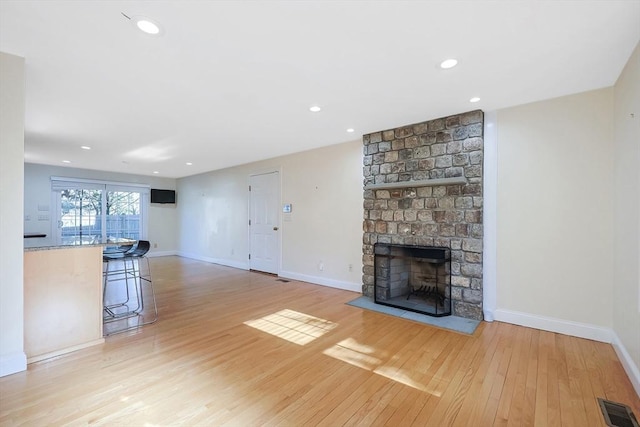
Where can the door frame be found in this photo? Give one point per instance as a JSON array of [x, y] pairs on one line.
[[278, 193]]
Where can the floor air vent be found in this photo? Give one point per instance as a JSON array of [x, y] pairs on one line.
[[282, 280], [617, 414]]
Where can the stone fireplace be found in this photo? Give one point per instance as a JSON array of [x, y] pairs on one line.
[[423, 187]]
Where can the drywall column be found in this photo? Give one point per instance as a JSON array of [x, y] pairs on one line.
[[12, 95], [626, 272]]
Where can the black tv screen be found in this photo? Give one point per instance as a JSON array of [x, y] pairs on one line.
[[163, 196]]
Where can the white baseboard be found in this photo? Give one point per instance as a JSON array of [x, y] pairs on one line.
[[65, 350], [551, 324], [627, 363], [347, 286], [575, 329], [12, 363], [153, 254], [225, 262], [339, 284]]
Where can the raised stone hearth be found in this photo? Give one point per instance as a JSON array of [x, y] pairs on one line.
[[423, 186]]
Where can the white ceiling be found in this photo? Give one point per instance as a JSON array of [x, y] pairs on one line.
[[231, 82]]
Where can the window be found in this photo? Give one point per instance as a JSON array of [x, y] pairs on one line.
[[123, 214], [91, 211]]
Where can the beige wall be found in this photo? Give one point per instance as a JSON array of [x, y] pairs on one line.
[[325, 188], [555, 209], [626, 275], [162, 218], [12, 84]]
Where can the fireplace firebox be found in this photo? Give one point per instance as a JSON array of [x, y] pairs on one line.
[[415, 278]]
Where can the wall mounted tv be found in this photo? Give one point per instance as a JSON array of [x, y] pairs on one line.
[[163, 196]]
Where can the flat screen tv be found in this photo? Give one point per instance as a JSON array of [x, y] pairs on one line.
[[163, 196]]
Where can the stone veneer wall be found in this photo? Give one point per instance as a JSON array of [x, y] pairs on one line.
[[443, 215]]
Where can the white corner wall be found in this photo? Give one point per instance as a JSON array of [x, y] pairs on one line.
[[626, 249], [555, 216], [12, 107], [324, 187], [163, 219]]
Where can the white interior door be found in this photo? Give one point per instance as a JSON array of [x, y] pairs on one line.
[[264, 226]]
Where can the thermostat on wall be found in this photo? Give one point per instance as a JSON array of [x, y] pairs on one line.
[[286, 208]]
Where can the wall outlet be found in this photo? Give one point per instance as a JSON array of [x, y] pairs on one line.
[[321, 266], [155, 245], [350, 267]]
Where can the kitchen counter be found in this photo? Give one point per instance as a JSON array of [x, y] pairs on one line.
[[38, 245], [34, 235], [63, 296]]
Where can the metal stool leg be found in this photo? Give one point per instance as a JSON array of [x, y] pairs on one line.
[[140, 278], [114, 311]]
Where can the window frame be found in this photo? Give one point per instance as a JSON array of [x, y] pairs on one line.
[[58, 184]]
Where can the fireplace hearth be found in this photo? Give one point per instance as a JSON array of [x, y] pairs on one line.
[[415, 278]]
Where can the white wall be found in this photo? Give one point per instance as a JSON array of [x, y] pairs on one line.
[[12, 357], [163, 219], [325, 188], [555, 214], [626, 274]]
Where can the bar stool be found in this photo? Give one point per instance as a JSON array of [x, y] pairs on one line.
[[116, 256], [129, 268]]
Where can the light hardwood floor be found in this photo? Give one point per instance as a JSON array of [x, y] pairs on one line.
[[238, 348]]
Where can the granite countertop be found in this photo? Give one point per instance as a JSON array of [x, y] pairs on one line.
[[36, 245]]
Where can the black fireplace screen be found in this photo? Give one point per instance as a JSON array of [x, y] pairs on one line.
[[415, 278]]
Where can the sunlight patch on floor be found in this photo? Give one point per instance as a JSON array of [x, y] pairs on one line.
[[353, 353], [399, 376], [293, 326], [363, 356]]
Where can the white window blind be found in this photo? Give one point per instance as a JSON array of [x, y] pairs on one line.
[[65, 183]]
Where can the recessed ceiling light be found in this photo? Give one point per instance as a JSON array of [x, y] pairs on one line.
[[85, 147], [189, 163], [474, 99], [448, 63], [66, 161], [156, 172], [315, 109], [351, 130], [146, 25]]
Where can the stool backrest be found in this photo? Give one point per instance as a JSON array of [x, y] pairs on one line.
[[140, 249]]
